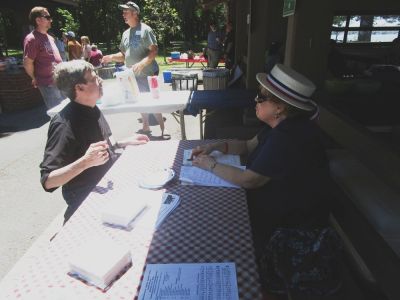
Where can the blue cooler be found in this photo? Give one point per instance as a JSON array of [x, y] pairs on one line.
[[175, 55], [167, 76]]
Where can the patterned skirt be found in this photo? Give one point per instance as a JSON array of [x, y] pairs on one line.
[[302, 261]]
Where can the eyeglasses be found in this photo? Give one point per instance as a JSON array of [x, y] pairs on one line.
[[47, 17], [94, 79], [260, 98]]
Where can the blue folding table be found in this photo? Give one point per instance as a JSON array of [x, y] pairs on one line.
[[219, 99]]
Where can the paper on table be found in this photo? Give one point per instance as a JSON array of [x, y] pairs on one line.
[[126, 209], [197, 176], [213, 281], [227, 159], [169, 203]]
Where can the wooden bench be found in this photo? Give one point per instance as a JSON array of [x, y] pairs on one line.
[[367, 216]]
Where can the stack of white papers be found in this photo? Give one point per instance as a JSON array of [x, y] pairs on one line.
[[169, 203], [123, 211], [99, 262], [212, 281], [193, 175]]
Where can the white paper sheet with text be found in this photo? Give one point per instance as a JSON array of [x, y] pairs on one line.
[[197, 176], [211, 281]]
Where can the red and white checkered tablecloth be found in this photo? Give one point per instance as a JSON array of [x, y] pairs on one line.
[[209, 225]]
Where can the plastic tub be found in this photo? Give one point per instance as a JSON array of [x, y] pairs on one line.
[[175, 55]]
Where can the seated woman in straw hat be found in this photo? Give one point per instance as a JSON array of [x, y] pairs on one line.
[[287, 185]]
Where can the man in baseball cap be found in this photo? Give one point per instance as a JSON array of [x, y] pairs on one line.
[[70, 34], [73, 46], [138, 50], [130, 5]]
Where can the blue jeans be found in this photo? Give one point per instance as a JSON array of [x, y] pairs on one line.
[[52, 96]]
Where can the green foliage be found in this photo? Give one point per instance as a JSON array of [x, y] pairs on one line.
[[162, 18], [339, 21], [6, 28], [66, 21], [171, 20], [101, 20]]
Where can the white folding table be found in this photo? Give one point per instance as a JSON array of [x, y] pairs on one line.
[[168, 102]]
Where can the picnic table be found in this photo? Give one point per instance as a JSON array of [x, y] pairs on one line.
[[210, 225], [191, 61]]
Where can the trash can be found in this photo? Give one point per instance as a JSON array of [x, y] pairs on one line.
[[105, 72], [184, 81], [215, 79]]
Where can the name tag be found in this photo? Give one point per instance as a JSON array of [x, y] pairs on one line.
[[138, 32]]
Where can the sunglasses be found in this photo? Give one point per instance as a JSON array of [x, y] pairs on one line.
[[47, 17], [260, 98]]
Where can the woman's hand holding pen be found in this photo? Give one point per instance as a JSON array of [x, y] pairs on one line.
[[202, 150]]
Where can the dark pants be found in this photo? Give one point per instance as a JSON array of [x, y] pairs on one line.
[[213, 57]]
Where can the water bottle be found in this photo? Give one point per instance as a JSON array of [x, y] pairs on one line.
[[154, 87]]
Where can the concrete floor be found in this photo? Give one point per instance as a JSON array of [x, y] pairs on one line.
[[26, 211]]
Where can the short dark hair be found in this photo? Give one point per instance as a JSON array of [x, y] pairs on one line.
[[68, 74], [36, 12]]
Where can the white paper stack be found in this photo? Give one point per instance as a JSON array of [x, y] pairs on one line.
[[123, 211], [169, 203], [99, 262]]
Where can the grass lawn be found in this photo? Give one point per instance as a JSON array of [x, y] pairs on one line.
[[160, 60]]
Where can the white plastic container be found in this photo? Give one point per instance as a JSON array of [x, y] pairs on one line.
[[129, 85]]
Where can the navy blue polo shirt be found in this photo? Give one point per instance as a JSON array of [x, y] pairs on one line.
[[294, 159]]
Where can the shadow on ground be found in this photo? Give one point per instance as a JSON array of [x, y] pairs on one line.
[[22, 120]]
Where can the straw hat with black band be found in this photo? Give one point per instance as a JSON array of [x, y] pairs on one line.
[[289, 86]]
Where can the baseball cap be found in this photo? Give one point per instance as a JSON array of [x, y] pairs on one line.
[[70, 34], [129, 5]]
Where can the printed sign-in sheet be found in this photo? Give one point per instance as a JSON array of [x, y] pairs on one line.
[[212, 281]]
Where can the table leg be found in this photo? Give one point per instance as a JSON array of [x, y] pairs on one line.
[[201, 125], [182, 123]]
